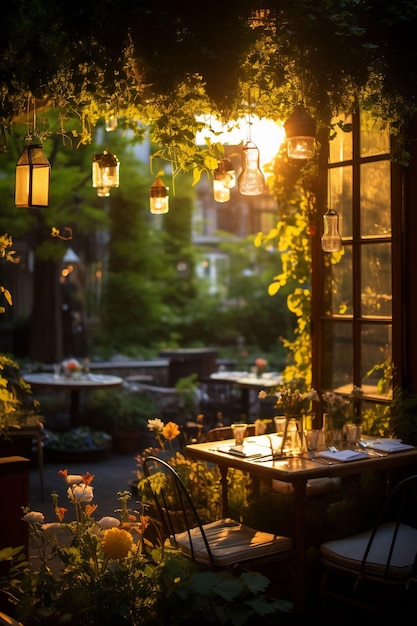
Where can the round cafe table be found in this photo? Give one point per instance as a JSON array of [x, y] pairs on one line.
[[86, 382]]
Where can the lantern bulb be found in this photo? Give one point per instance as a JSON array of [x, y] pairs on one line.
[[159, 201], [300, 129]]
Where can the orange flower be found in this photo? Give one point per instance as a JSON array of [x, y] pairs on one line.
[[170, 431], [117, 543], [90, 508], [60, 512], [87, 478]]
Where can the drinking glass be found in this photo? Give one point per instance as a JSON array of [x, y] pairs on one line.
[[312, 439], [239, 431], [280, 424]]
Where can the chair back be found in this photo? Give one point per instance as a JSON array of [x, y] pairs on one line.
[[174, 505], [398, 514], [221, 402], [226, 432]]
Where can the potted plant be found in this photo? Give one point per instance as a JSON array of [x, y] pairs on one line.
[[122, 413], [19, 410]]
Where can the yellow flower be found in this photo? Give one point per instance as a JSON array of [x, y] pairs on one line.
[[117, 543], [170, 431]]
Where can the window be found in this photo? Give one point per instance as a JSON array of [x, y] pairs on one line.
[[353, 295]]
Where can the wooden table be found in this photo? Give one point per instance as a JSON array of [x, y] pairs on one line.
[[297, 471], [247, 383], [86, 382]]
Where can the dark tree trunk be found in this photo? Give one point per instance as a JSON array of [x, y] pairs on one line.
[[46, 328]]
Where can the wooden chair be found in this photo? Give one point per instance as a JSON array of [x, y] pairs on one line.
[[221, 544], [220, 398], [226, 432], [377, 569]]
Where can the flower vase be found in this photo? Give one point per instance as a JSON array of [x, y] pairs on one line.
[[293, 442]]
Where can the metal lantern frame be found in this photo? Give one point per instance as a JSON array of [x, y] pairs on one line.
[[32, 179]]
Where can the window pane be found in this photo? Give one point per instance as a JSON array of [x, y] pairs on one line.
[[373, 140], [337, 362], [375, 198], [341, 145], [376, 351], [338, 286], [376, 294], [340, 197]]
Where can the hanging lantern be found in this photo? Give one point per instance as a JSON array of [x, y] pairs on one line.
[[300, 129], [102, 192], [105, 172], [111, 123], [224, 179], [33, 172], [251, 181], [109, 169], [226, 173], [331, 240], [159, 201], [220, 192]]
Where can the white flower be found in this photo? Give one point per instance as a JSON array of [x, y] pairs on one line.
[[52, 529], [33, 516], [156, 425], [73, 479], [80, 493], [109, 522]]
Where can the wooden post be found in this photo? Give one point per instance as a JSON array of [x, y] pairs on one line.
[[14, 494]]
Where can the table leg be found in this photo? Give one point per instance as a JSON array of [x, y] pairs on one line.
[[75, 407], [299, 511], [223, 482]]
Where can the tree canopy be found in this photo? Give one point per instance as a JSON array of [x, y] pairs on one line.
[[158, 65]]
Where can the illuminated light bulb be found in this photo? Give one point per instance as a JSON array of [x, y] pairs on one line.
[[109, 169], [226, 172], [159, 201], [111, 123], [221, 193], [103, 192], [331, 240], [33, 172], [300, 129], [251, 181], [224, 179], [105, 170]]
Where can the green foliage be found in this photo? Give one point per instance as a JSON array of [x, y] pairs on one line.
[[186, 388], [163, 65], [403, 412], [291, 239], [90, 571], [118, 410], [18, 407]]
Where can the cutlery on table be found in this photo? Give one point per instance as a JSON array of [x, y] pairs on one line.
[[362, 445]]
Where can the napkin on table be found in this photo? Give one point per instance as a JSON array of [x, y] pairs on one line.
[[343, 456], [390, 445]]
